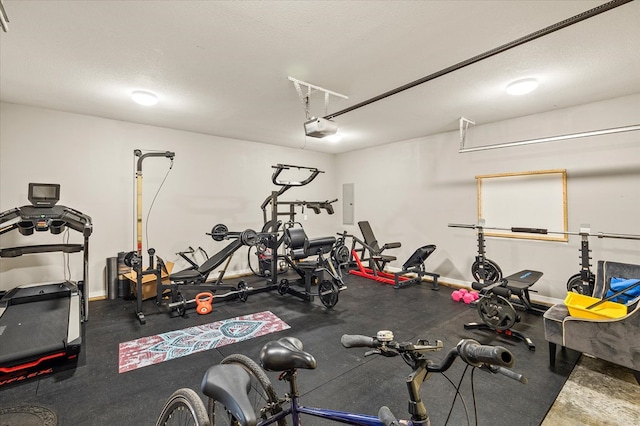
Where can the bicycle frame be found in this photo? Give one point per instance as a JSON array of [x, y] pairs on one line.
[[416, 406], [295, 409]]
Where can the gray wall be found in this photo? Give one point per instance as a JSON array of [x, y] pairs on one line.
[[213, 180], [409, 190]]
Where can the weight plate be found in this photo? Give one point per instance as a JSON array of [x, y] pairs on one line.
[[575, 284], [497, 312], [181, 309], [130, 259], [341, 254], [283, 287], [492, 271], [242, 288], [219, 232], [249, 237], [328, 293]]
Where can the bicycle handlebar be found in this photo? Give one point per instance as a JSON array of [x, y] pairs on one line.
[[470, 351], [358, 341]]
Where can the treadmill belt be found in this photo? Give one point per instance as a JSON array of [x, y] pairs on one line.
[[32, 329]]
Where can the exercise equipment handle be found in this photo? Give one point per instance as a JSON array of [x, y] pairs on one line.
[[280, 167], [461, 225], [529, 230]]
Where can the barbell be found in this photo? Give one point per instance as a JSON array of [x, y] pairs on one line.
[[220, 232]]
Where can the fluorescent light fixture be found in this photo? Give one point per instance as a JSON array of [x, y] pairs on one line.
[[522, 87], [144, 98]]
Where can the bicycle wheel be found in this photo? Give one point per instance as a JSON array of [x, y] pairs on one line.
[[262, 396], [183, 408]]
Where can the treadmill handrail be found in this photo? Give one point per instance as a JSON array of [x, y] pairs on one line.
[[10, 214], [41, 248], [73, 218]]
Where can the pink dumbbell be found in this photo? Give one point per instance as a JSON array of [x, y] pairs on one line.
[[470, 297]]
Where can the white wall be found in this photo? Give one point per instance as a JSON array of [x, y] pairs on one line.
[[410, 191], [213, 180]]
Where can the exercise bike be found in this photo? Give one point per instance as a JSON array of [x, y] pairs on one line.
[[240, 393]]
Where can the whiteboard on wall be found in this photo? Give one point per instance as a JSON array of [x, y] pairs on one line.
[[535, 199]]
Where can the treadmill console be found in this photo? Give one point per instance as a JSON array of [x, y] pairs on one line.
[[44, 194], [44, 215]]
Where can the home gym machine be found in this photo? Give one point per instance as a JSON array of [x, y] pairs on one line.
[[134, 259], [41, 324], [300, 248], [276, 233], [494, 305], [196, 276]]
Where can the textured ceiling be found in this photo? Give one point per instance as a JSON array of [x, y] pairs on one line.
[[222, 67]]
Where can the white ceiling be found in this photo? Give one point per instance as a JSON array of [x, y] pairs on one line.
[[222, 67]]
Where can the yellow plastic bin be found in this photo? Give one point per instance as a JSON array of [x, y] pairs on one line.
[[578, 303]]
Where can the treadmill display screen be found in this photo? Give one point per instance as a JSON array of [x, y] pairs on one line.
[[44, 194]]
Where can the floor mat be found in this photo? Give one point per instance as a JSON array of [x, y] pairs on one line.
[[175, 344], [28, 415]]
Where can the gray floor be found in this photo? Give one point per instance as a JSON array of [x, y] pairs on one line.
[[96, 394], [597, 393]]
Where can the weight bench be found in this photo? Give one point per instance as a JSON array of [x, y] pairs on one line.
[[495, 309], [310, 271], [415, 265], [377, 260], [301, 247], [196, 279], [199, 275]]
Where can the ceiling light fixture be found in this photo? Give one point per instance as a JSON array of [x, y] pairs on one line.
[[522, 87], [144, 98]]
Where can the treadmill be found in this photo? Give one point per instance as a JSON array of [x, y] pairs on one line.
[[41, 323]]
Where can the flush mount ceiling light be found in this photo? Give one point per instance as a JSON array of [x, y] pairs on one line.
[[522, 87], [144, 98]]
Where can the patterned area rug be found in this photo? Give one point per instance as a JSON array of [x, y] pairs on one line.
[[175, 344]]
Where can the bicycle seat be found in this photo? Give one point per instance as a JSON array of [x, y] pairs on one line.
[[230, 384], [286, 354]]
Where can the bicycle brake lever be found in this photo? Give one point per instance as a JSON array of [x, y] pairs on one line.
[[373, 352]]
